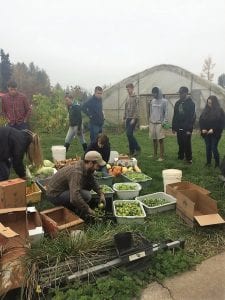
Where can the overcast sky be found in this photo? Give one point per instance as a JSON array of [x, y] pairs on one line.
[[96, 42]]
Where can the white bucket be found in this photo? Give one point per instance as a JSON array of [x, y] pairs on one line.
[[113, 155], [58, 153], [171, 176]]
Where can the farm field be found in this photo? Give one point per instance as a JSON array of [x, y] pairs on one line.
[[200, 243]]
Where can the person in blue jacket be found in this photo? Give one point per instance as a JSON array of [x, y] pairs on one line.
[[93, 109]]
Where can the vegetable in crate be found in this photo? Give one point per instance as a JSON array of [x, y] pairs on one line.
[[126, 187], [128, 209], [137, 177], [151, 202]]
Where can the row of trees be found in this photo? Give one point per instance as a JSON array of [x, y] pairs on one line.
[[30, 79]]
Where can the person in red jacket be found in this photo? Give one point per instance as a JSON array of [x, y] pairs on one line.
[[15, 107]]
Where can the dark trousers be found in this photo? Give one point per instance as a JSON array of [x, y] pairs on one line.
[[64, 200], [4, 170], [133, 144], [211, 144], [184, 143]]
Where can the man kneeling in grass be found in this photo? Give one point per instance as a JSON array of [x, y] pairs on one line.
[[71, 185]]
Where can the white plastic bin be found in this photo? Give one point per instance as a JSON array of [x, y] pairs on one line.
[[170, 202], [171, 176], [58, 153], [127, 194], [113, 155]]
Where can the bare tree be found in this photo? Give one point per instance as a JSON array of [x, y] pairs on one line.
[[221, 80], [207, 69]]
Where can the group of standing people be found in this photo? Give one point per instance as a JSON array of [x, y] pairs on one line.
[[211, 122]]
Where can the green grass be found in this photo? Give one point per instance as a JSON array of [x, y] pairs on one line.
[[201, 243]]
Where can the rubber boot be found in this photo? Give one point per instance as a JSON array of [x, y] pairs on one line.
[[66, 145], [84, 145]]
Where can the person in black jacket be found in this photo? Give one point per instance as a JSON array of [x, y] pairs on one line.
[[75, 123], [102, 146], [93, 109], [211, 122], [183, 122], [14, 144]]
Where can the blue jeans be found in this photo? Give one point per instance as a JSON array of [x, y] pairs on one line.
[[211, 143], [133, 144], [72, 133], [94, 131], [4, 170]]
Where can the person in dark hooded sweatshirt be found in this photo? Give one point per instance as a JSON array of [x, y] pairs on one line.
[[183, 122], [14, 145]]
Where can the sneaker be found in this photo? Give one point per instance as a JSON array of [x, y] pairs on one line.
[[160, 159], [189, 162]]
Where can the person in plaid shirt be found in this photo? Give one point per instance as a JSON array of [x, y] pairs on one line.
[[15, 107]]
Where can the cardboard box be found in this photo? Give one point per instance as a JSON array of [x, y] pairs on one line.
[[13, 193], [59, 219], [14, 231], [35, 229], [173, 188], [197, 208]]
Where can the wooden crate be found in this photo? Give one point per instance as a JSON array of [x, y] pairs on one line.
[[13, 193], [59, 219]]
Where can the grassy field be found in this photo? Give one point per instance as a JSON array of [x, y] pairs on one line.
[[201, 243]]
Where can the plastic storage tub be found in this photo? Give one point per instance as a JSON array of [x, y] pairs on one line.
[[103, 180], [129, 219], [158, 208], [127, 193], [108, 194], [141, 178]]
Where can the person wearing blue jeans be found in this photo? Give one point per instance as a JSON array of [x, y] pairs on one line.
[[75, 123], [131, 116], [133, 144], [211, 122], [93, 109]]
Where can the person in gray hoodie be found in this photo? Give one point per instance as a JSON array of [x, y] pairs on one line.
[[157, 118]]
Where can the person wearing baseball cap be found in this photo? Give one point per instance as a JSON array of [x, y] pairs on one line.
[[70, 186]]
